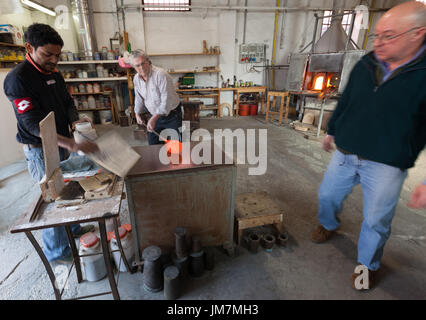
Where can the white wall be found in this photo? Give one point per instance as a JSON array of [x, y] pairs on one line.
[[10, 150]]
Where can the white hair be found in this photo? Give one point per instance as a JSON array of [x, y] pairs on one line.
[[138, 53]]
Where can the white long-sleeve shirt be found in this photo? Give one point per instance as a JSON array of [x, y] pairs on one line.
[[157, 94]]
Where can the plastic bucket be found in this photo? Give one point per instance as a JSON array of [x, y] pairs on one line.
[[244, 109], [106, 116], [253, 110]]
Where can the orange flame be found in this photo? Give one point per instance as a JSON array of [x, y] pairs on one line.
[[318, 82]]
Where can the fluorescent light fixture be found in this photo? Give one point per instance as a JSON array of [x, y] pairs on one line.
[[39, 7]]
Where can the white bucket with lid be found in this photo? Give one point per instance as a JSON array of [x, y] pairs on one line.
[[125, 232], [93, 266], [84, 131]]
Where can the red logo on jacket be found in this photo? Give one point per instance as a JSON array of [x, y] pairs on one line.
[[23, 105]]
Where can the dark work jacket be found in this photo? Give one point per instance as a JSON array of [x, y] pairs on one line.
[[383, 121], [33, 94]]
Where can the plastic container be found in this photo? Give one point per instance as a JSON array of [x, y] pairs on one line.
[[93, 266], [96, 88], [89, 88], [110, 55], [100, 71], [253, 109], [105, 116], [243, 110], [81, 88], [104, 53], [85, 74], [127, 244], [106, 74], [85, 103], [92, 102]]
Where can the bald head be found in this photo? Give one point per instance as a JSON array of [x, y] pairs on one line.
[[400, 33], [408, 14]]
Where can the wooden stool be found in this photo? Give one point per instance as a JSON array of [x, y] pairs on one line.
[[283, 96], [256, 209]]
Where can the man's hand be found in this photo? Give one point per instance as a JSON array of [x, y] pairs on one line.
[[328, 143], [152, 121], [418, 197], [85, 146], [139, 119], [80, 121]]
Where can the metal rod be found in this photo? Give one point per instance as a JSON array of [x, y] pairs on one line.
[[321, 115], [45, 262], [123, 256], [315, 33], [348, 41], [74, 254], [131, 206], [155, 132], [107, 258], [92, 295]]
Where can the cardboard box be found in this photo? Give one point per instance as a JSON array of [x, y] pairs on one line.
[[11, 34]]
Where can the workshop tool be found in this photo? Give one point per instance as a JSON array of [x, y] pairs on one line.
[[182, 264], [180, 235], [173, 146], [152, 276], [196, 264], [172, 283]]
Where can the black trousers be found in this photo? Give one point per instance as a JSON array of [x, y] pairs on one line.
[[172, 121]]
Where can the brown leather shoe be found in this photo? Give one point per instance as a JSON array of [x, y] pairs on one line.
[[321, 234], [372, 279]]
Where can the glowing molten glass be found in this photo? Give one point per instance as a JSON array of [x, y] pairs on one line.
[[318, 83], [174, 146]]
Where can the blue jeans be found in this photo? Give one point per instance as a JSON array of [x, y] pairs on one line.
[[381, 186], [172, 121], [55, 240]]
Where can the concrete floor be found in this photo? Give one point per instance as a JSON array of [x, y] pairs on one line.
[[302, 270]]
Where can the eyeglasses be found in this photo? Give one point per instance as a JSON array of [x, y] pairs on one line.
[[140, 64], [387, 38]]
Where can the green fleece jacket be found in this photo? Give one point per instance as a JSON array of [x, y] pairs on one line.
[[382, 121]]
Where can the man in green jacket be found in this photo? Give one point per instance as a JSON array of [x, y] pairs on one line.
[[379, 128]]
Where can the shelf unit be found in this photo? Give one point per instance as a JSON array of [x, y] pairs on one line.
[[88, 62], [194, 71], [15, 61], [96, 79], [103, 93]]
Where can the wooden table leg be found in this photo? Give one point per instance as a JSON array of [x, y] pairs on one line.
[[287, 107], [237, 104], [74, 253], [107, 257], [46, 264]]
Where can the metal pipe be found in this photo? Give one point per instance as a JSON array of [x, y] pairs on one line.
[[315, 32], [242, 8], [350, 32], [274, 45], [245, 23], [82, 21]]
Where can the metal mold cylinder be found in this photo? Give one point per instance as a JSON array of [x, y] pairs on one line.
[[84, 27], [180, 235], [282, 239], [172, 285], [196, 265], [152, 275], [268, 241], [196, 244], [182, 265], [253, 241]]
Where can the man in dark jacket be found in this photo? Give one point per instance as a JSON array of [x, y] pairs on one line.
[[35, 88], [379, 128]]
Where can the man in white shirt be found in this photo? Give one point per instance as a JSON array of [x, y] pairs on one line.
[[155, 94]]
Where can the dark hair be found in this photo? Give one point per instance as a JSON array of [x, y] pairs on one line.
[[39, 34]]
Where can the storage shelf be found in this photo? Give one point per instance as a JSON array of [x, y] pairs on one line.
[[87, 62], [11, 61], [194, 71], [97, 109], [5, 44], [180, 54], [96, 79], [87, 93]]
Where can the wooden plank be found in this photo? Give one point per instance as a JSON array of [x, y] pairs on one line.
[[52, 188], [250, 205], [259, 221], [49, 139]]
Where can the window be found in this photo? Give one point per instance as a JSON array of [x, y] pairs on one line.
[[183, 5], [346, 21]]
